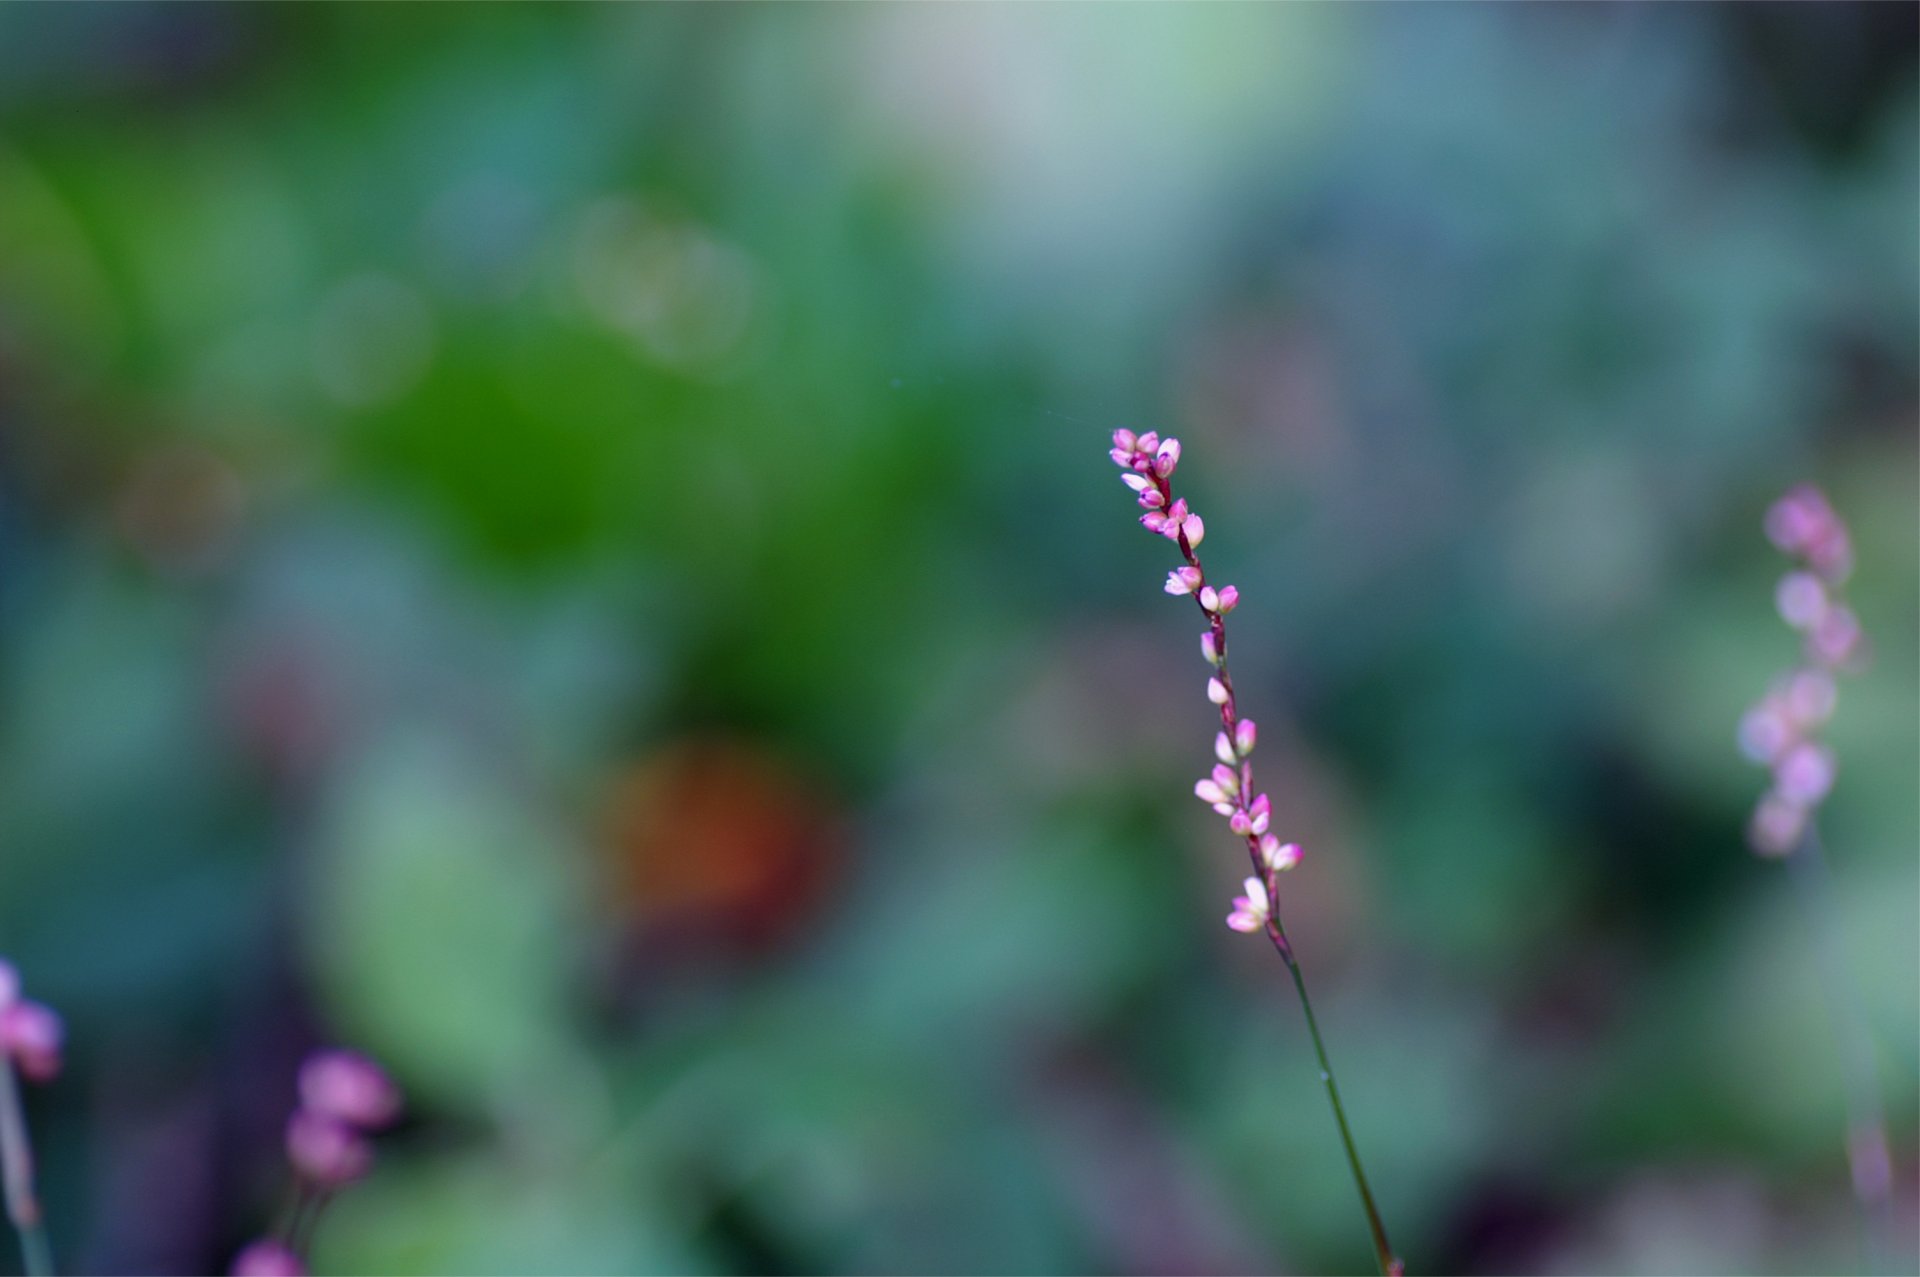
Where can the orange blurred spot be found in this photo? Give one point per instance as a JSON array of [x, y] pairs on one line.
[[721, 840]]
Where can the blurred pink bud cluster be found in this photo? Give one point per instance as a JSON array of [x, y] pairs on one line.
[[1148, 463], [1782, 731], [31, 1034], [344, 1098]]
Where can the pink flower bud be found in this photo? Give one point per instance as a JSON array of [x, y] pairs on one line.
[[9, 984], [1193, 530], [1240, 823], [1228, 780], [1178, 510], [1208, 791], [1777, 825], [1223, 748], [1138, 482], [1154, 521], [1802, 600], [1250, 911], [33, 1035], [1764, 732], [1244, 734], [1216, 691], [1804, 776], [1229, 599], [1123, 440], [1182, 580], [1152, 499], [325, 1149], [1209, 648], [1122, 457], [1210, 599], [349, 1086], [267, 1258], [1278, 856], [1148, 442], [1835, 638], [1166, 458]]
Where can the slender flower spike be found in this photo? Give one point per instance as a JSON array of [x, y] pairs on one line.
[[1250, 911], [1149, 464]]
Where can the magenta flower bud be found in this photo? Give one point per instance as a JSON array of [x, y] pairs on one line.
[[1123, 440], [267, 1258], [1835, 638], [1764, 732], [1229, 599], [1225, 777], [1209, 648], [1138, 482], [1193, 530], [1166, 458], [1802, 600], [1216, 691], [1154, 521], [1152, 499], [326, 1150], [1147, 443], [1239, 823], [1122, 457], [33, 1035], [1809, 697], [1210, 599], [1244, 734], [1223, 748], [1178, 510], [1208, 791], [1262, 812], [1804, 776], [350, 1087], [1777, 825], [1182, 580], [9, 984]]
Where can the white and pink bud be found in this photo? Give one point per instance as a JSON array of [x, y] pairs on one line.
[[1261, 810], [1278, 856], [1229, 600], [1227, 779], [1194, 530], [1147, 443], [1240, 823], [1210, 599], [1210, 648], [1166, 458], [1223, 748], [1216, 691], [1209, 792], [1244, 735], [1183, 580], [1250, 911], [1138, 482], [1123, 441], [1152, 499]]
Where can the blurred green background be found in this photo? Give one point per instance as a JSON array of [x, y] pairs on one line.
[[571, 548]]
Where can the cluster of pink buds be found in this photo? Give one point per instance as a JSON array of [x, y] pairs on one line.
[[1781, 732], [344, 1099], [31, 1034], [1148, 463]]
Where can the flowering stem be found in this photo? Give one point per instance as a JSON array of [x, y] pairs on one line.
[[1148, 464], [16, 1167], [1390, 1265], [1867, 1153]]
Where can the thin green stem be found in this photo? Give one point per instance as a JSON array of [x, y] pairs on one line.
[[1390, 1265], [16, 1168], [1867, 1152]]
